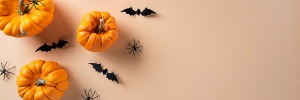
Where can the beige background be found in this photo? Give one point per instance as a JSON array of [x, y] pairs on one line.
[[193, 50]]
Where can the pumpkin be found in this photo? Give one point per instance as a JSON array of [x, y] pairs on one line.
[[97, 31], [25, 18], [42, 80]]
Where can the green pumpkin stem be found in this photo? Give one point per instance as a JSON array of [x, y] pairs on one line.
[[26, 9], [101, 26], [21, 4], [40, 82]]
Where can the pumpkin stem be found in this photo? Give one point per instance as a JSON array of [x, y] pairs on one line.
[[40, 82], [24, 8], [21, 4], [101, 26]]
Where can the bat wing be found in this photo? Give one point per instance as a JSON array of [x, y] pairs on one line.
[[97, 67], [112, 76], [105, 71], [54, 45], [147, 12], [61, 43], [44, 47], [129, 11]]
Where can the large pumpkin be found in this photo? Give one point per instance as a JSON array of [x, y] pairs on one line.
[[42, 80], [24, 18], [97, 31]]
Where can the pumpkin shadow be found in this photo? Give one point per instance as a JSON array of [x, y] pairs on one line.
[[73, 88], [60, 28]]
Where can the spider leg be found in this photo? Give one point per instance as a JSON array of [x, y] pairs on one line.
[[134, 43], [5, 65], [139, 46], [139, 49], [93, 94], [30, 7], [11, 72], [3, 77], [95, 97], [131, 51], [130, 45], [36, 7], [85, 93], [12, 68], [135, 49], [6, 76], [90, 91], [83, 97], [41, 3], [138, 42]]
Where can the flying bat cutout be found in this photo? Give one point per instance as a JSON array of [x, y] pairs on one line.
[[145, 12], [46, 48], [109, 76]]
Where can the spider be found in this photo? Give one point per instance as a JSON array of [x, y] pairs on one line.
[[5, 71], [90, 95], [34, 3], [136, 47]]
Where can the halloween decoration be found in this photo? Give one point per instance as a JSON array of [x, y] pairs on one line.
[[97, 31], [145, 12], [47, 48], [135, 47], [109, 76], [25, 18], [90, 95], [42, 80], [5, 71]]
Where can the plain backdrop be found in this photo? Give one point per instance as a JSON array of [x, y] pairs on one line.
[[193, 50]]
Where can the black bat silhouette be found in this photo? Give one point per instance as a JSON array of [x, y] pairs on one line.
[[47, 48], [109, 76], [145, 12]]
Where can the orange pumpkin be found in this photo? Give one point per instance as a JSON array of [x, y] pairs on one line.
[[24, 18], [97, 31], [42, 80]]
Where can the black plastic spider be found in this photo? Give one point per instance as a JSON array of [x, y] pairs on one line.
[[34, 3], [136, 47], [5, 71], [90, 95]]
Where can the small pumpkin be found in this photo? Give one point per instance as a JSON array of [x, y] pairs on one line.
[[24, 18], [97, 31], [42, 80]]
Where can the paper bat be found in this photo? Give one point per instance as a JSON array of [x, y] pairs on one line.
[[47, 48], [109, 76], [145, 12]]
